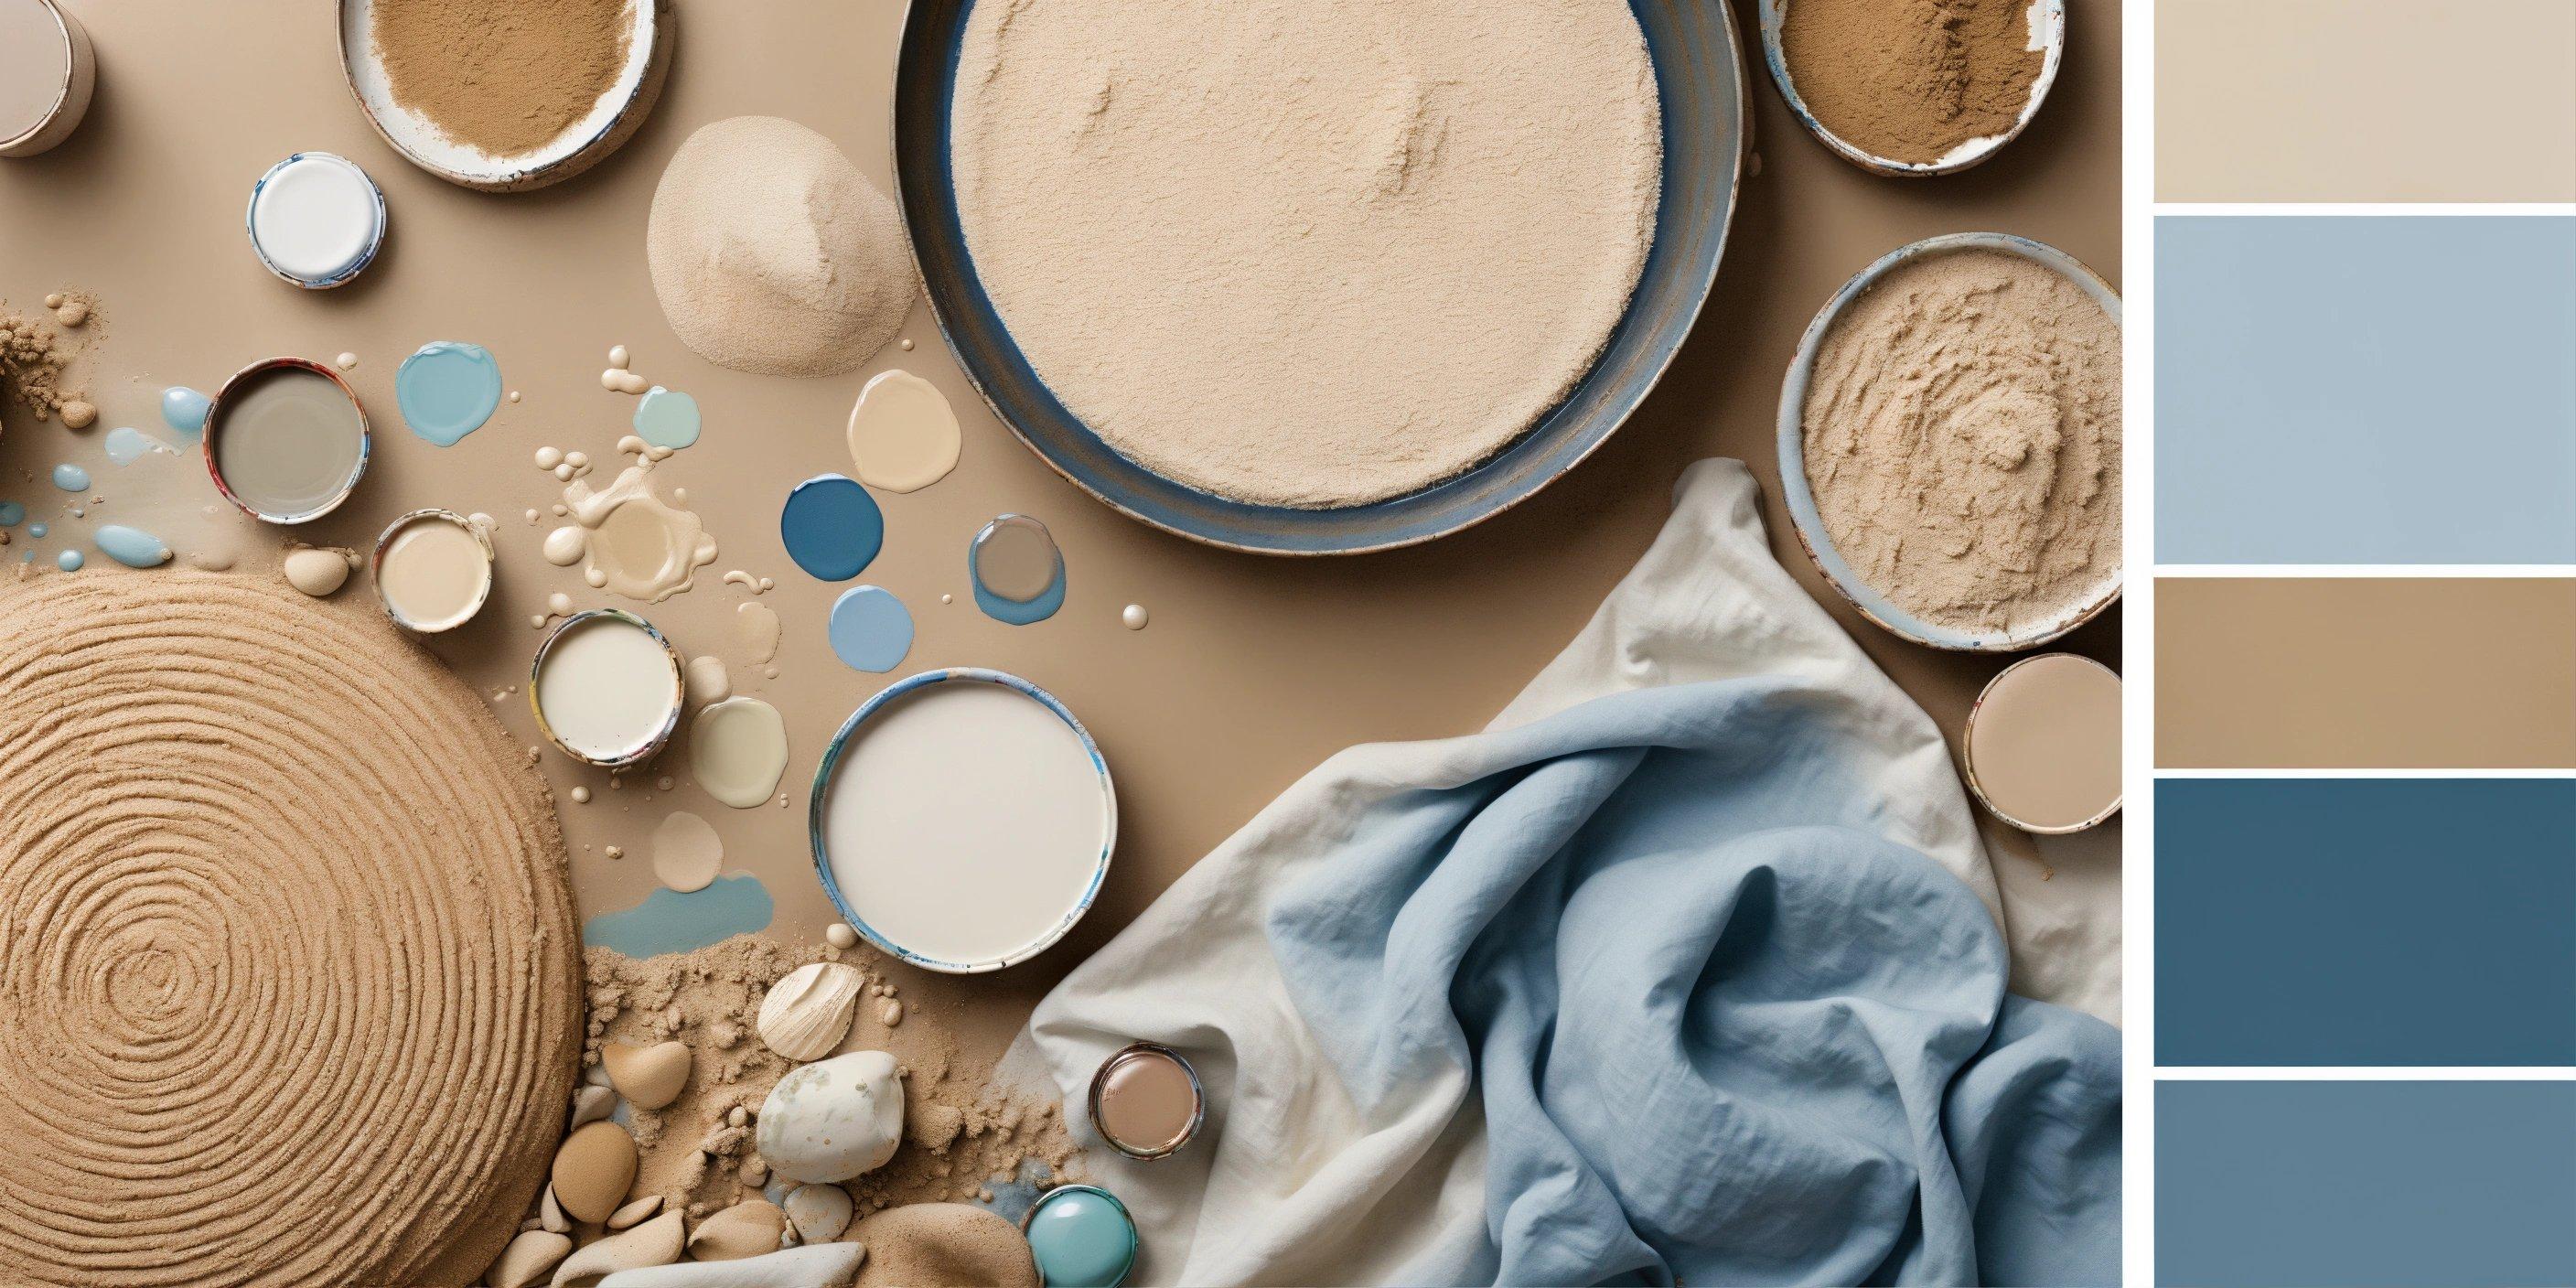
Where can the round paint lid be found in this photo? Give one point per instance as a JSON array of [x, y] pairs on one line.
[[1082, 1237], [316, 219], [2042, 746]]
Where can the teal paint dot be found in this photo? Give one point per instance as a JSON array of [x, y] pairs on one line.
[[447, 390], [667, 418], [69, 561], [10, 513], [831, 527], [1083, 1238], [71, 478], [184, 410], [132, 547]]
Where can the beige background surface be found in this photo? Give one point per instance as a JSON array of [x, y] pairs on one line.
[[2365, 100], [1253, 670]]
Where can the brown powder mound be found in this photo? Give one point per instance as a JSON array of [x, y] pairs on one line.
[[960, 1136], [943, 1243], [288, 984], [501, 76], [1910, 80], [32, 357]]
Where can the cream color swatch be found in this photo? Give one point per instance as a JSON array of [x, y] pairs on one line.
[[2366, 100]]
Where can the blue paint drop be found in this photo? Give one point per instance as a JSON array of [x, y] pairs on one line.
[[184, 410], [126, 446], [132, 547], [870, 628], [10, 513], [667, 418], [447, 390], [1002, 608], [71, 478], [671, 922], [832, 527], [69, 561], [1083, 1238], [37, 530]]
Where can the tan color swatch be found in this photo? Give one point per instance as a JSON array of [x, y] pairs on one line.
[[2366, 100], [2344, 673]]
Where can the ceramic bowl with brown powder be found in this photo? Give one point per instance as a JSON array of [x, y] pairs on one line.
[[1914, 88], [1950, 442]]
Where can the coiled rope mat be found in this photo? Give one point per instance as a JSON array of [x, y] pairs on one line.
[[289, 977]]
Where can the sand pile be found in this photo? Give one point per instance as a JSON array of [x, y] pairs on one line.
[[289, 985]]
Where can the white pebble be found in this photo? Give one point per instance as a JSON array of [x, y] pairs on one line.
[[840, 936]]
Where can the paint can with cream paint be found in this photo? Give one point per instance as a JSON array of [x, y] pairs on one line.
[[968, 780], [433, 570], [1146, 1101], [607, 688], [285, 440], [47, 74], [2042, 746]]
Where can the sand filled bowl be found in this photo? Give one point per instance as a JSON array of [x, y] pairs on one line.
[[2047, 27], [290, 983], [1808, 522], [1698, 79]]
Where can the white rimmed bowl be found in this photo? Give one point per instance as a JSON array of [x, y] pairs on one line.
[[71, 101], [2047, 33], [1809, 523], [608, 124]]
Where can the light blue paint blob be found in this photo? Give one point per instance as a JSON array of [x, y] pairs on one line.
[[1015, 612], [69, 561], [10, 513], [667, 418], [447, 390], [71, 478], [1083, 1238], [37, 530], [125, 446], [831, 527], [671, 922], [870, 628], [132, 547], [184, 410]]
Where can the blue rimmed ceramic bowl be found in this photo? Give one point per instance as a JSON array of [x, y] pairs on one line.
[[819, 797], [2047, 34], [1699, 74], [1809, 524]]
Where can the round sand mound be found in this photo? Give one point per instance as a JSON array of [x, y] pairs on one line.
[[289, 978]]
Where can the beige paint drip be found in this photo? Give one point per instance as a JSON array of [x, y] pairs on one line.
[[757, 624], [738, 751], [709, 682], [687, 853], [2043, 744], [631, 541], [903, 434]]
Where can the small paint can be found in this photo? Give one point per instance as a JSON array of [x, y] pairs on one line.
[[607, 687], [316, 220], [1081, 1237], [245, 391], [2047, 22], [439, 577], [1146, 1101], [2042, 746], [53, 72]]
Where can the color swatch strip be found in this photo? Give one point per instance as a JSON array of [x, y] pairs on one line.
[[2387, 922], [2365, 100], [2366, 390], [2365, 1183], [2365, 672]]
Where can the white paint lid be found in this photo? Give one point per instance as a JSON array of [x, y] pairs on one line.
[[316, 219]]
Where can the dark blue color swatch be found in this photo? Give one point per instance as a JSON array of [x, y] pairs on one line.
[[831, 527], [2366, 922], [2365, 1183]]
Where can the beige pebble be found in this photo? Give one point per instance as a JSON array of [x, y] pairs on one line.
[[581, 796], [316, 572], [654, 1243], [550, 1214], [72, 313], [807, 1012], [819, 1212], [840, 936], [527, 1259], [892, 1015], [593, 1169], [591, 1105], [628, 1215], [747, 1229], [79, 414], [649, 1077], [348, 360], [54, 300], [738, 1117], [755, 1173]]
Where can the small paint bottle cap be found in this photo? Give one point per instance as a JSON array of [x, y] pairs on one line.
[[316, 220], [47, 73], [2042, 745], [1082, 1237], [1146, 1101]]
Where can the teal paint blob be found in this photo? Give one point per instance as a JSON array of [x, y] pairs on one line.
[[1083, 1238], [125, 446], [10, 513], [184, 410], [132, 547], [667, 418], [71, 478], [1016, 612], [870, 628], [447, 390], [831, 527], [671, 922], [37, 530], [69, 561]]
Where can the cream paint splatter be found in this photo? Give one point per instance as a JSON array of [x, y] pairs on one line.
[[738, 750], [758, 626], [631, 542], [903, 435], [687, 853], [708, 681]]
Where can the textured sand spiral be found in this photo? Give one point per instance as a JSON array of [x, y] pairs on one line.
[[289, 978]]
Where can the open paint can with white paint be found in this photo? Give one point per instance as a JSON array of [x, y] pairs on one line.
[[286, 440], [606, 688], [316, 219], [47, 73], [433, 570], [963, 820], [2042, 747], [1146, 1101]]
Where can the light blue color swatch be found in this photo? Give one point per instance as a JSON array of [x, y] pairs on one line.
[[71, 478], [671, 922], [132, 547], [1082, 1238], [10, 513], [126, 445], [2366, 922], [447, 390], [667, 418], [184, 410], [69, 561], [870, 628], [2365, 390], [2367, 1184], [831, 527]]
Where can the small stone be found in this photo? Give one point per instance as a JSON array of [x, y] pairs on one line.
[[649, 1077], [592, 1171], [654, 1243], [78, 414], [550, 1214], [819, 1212], [840, 936], [72, 312], [528, 1258], [755, 1173], [747, 1229], [591, 1104], [627, 1216], [892, 1014], [738, 1117], [834, 1119]]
